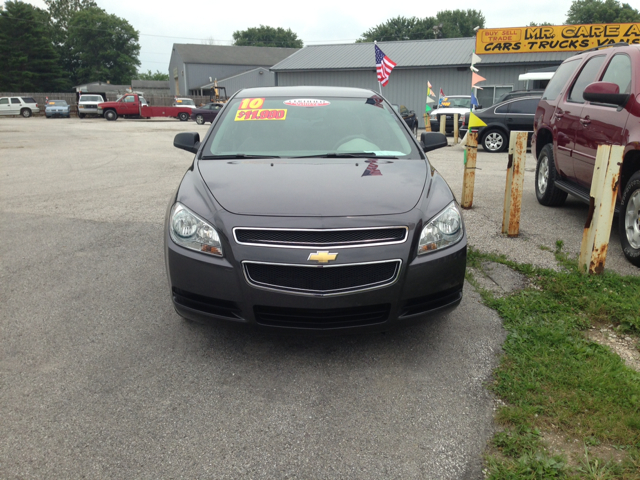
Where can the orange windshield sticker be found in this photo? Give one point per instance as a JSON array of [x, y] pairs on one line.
[[266, 114], [251, 103]]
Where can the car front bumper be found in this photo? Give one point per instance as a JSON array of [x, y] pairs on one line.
[[205, 288]]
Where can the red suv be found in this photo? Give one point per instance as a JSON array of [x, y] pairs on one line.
[[593, 99]]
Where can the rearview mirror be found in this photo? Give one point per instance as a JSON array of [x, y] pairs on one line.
[[432, 141], [189, 141]]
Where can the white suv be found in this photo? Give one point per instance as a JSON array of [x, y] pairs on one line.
[[88, 104], [25, 106]]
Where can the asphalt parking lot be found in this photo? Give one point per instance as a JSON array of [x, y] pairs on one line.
[[101, 378]]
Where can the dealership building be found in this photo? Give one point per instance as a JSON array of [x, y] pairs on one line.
[[443, 62]]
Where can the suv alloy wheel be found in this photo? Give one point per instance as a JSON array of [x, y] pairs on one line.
[[629, 220]]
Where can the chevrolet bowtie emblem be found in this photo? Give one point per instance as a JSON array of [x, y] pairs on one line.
[[322, 257]]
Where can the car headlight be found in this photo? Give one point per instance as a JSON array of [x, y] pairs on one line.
[[190, 231], [444, 230]]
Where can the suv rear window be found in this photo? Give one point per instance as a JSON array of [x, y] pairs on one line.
[[28, 100], [559, 80]]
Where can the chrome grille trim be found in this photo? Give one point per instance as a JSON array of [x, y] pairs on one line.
[[374, 243], [315, 293]]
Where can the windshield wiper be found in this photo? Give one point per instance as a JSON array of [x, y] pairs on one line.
[[236, 155], [346, 155]]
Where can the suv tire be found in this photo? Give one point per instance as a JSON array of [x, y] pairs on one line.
[[629, 220], [495, 141], [546, 191], [25, 112]]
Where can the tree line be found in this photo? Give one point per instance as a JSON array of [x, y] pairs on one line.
[[74, 41]]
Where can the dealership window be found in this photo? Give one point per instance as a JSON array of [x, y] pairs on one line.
[[489, 94]]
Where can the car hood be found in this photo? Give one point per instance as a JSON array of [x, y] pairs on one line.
[[449, 111], [315, 187]]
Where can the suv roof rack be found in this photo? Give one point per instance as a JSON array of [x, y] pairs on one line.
[[619, 44]]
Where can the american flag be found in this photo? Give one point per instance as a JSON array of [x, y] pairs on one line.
[[384, 65], [375, 100], [372, 169]]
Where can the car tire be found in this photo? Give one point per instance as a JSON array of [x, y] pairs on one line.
[[629, 220], [25, 112], [495, 141], [199, 119], [81, 115], [111, 115], [183, 116], [546, 174]]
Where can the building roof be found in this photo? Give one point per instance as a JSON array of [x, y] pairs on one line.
[[248, 72], [231, 54], [158, 84], [443, 52]]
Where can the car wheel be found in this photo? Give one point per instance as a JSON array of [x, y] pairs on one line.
[[111, 115], [629, 220], [183, 116], [81, 115], [494, 141], [25, 112], [199, 119], [546, 191]]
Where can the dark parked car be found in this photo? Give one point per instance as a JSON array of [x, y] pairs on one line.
[[519, 93], [313, 209], [409, 116], [593, 99], [57, 108], [206, 113], [503, 118]]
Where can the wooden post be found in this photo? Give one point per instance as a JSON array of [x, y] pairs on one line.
[[427, 123], [469, 180], [443, 124], [604, 189], [513, 187], [456, 117]]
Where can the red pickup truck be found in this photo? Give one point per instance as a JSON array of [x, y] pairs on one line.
[[130, 106]]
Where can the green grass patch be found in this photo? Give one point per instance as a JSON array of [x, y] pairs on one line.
[[553, 379]]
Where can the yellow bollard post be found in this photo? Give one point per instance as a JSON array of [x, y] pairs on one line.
[[427, 123], [513, 187], [456, 117], [604, 190], [443, 124], [471, 152]]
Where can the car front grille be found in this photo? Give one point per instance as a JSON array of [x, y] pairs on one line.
[[322, 279], [321, 318], [320, 238]]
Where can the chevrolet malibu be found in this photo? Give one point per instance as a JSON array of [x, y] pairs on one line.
[[313, 209]]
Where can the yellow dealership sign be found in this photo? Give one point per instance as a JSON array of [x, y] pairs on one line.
[[562, 38]]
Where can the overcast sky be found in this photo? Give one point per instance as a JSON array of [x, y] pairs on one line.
[[161, 24]]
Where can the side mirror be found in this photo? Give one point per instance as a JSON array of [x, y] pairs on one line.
[[432, 141], [605, 92], [189, 141]]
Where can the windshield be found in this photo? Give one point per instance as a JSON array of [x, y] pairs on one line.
[[185, 101], [294, 127], [455, 102]]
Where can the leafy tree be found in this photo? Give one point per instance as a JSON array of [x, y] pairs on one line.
[[29, 61], [61, 12], [447, 24], [264, 36], [598, 11], [103, 46], [152, 76], [543, 24]]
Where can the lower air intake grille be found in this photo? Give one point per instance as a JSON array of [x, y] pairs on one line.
[[322, 280], [431, 302], [214, 306], [320, 318]]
